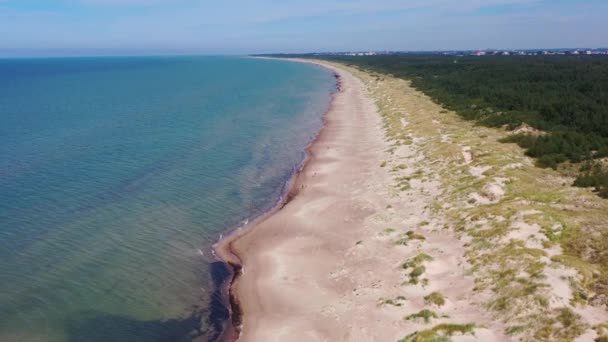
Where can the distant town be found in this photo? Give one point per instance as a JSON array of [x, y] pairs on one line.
[[487, 52]]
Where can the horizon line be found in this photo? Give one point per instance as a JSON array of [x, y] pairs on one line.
[[22, 53]]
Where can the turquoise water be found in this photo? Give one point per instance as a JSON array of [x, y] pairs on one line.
[[118, 174]]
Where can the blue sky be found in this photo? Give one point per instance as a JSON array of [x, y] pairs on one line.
[[254, 26]]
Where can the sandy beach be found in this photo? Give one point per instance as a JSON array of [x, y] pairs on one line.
[[290, 286], [319, 268], [408, 223]]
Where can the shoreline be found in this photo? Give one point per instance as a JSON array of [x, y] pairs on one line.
[[395, 224], [294, 279], [328, 263], [223, 249]]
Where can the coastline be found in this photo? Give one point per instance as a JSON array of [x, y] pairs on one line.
[[287, 264], [327, 263], [224, 249], [395, 225]]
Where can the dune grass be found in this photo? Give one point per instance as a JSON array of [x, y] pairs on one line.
[[440, 333], [435, 298], [424, 315], [509, 269]]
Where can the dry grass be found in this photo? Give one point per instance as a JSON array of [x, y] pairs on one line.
[[517, 219]]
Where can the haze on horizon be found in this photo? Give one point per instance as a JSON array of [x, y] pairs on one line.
[[74, 27]]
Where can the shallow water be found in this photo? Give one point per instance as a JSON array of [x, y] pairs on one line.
[[118, 174]]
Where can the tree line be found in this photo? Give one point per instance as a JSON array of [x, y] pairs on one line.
[[565, 97]]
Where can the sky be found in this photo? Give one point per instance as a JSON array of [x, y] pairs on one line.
[[265, 26]]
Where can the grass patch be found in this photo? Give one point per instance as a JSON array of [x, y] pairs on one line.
[[515, 330], [399, 167], [397, 301], [439, 333], [435, 298], [418, 174], [602, 331], [424, 315], [414, 236], [404, 186], [415, 274], [402, 241], [410, 235], [584, 268], [560, 325], [417, 260]]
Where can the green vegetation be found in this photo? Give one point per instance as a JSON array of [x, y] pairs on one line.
[[416, 261], [397, 301], [509, 268], [565, 97], [602, 331], [514, 279], [594, 175], [416, 273], [558, 147], [587, 254], [416, 266], [403, 183], [410, 235], [561, 325], [414, 236], [399, 167], [439, 333], [515, 330], [435, 298], [425, 315], [402, 241]]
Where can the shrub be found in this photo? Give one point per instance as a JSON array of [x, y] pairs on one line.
[[435, 298], [426, 315]]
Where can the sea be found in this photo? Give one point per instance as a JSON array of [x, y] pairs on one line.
[[117, 176]]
